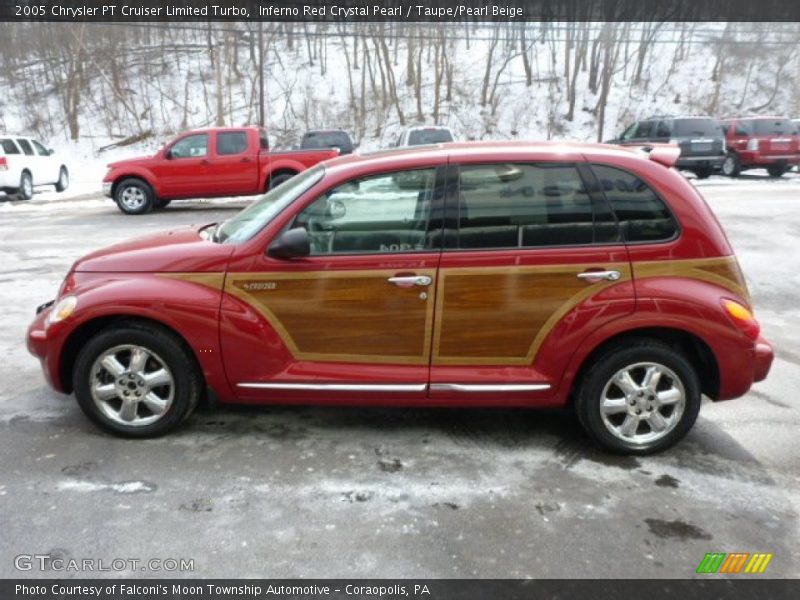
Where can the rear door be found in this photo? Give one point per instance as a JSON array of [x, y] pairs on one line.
[[532, 260], [30, 161], [354, 319], [234, 164]]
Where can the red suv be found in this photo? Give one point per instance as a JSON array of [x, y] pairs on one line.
[[771, 143], [484, 274]]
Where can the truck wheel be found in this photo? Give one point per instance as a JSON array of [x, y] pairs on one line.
[[134, 197], [731, 166], [161, 203], [136, 381], [25, 191], [63, 179], [279, 179], [776, 170], [639, 397]]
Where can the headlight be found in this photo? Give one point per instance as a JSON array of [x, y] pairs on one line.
[[63, 309]]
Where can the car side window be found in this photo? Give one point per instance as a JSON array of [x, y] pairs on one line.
[[40, 150], [628, 133], [231, 142], [644, 130], [26, 147], [743, 128], [378, 214], [663, 129], [642, 215], [514, 205], [192, 146], [9, 147]]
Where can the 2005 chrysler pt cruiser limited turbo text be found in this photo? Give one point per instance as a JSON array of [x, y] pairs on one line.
[[484, 274]]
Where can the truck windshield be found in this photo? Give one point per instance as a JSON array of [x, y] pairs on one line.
[[255, 217]]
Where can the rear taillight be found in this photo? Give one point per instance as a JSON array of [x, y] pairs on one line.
[[752, 145], [3, 163], [742, 318]]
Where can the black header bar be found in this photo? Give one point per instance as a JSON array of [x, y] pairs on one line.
[[399, 10]]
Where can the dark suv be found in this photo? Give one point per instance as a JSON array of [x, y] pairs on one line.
[[701, 140], [328, 138]]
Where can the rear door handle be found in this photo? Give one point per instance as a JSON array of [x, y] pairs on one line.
[[596, 275], [408, 281]]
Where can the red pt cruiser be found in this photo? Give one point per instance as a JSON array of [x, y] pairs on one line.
[[486, 274]]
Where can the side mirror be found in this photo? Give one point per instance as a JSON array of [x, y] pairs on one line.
[[293, 243]]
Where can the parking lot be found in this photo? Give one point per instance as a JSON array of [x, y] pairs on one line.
[[324, 492]]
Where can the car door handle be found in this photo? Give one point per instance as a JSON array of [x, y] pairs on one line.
[[408, 281], [608, 275]]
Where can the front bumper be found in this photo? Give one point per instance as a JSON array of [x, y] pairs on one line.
[[107, 185]]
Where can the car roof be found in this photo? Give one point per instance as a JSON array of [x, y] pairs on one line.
[[424, 127], [544, 150]]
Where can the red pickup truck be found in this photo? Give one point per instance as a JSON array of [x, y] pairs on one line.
[[205, 163]]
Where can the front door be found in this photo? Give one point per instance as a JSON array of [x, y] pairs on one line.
[[354, 319], [186, 168], [532, 255]]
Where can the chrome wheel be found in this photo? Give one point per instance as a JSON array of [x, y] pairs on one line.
[[26, 186], [132, 385], [133, 198], [642, 403]]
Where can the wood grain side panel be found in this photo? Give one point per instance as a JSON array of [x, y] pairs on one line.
[[501, 316], [723, 271], [342, 316]]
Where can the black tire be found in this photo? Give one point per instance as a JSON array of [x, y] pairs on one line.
[[776, 170], [167, 348], [25, 191], [597, 375], [63, 179], [703, 173], [161, 203], [134, 196], [279, 179], [732, 166]]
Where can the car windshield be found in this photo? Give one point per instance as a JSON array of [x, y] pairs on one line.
[[255, 217], [698, 127], [326, 139], [774, 127], [429, 136]]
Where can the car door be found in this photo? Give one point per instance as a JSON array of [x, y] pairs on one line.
[[233, 165], [30, 161], [352, 320], [185, 172], [532, 261], [49, 163]]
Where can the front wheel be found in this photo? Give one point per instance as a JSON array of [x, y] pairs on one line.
[[25, 191], [731, 165], [136, 381], [638, 398], [63, 179], [134, 197]]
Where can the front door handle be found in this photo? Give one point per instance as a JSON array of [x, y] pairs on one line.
[[408, 281], [597, 275]]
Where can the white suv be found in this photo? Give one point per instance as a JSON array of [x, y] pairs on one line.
[[26, 163]]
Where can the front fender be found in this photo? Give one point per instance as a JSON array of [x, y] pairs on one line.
[[138, 172], [188, 304]]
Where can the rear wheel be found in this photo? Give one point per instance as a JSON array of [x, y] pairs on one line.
[[63, 179], [279, 179], [136, 381], [25, 191], [638, 398], [731, 165], [776, 170], [703, 172], [134, 197]]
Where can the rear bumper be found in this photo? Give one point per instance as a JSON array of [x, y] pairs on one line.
[[755, 158], [687, 162], [764, 355]]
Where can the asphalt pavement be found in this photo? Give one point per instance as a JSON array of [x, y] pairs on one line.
[[360, 492]]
